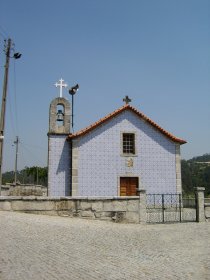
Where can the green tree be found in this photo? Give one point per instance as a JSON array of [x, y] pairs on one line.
[[187, 185], [28, 175]]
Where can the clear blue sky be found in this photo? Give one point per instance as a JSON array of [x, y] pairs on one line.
[[155, 51]]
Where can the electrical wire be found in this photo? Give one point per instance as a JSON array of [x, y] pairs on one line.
[[12, 104], [10, 140], [15, 100], [34, 146], [11, 115], [2, 35], [22, 155], [29, 151], [23, 159], [2, 53], [3, 31], [23, 150]]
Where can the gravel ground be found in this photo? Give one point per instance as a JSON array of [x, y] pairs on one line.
[[46, 247]]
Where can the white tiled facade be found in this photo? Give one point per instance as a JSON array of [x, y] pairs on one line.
[[58, 166], [101, 164]]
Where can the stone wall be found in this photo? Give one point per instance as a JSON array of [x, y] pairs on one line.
[[27, 190], [117, 209], [23, 190], [5, 190]]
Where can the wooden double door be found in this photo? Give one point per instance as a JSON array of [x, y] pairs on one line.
[[129, 186]]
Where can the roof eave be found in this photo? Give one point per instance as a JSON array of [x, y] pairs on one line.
[[115, 113]]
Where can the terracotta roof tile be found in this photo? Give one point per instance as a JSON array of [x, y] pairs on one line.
[[118, 111]]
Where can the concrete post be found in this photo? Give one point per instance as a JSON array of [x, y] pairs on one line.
[[200, 210], [142, 206]]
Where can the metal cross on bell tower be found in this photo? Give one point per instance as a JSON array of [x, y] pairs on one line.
[[61, 85], [127, 100]]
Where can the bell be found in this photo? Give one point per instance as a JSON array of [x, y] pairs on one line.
[[60, 115]]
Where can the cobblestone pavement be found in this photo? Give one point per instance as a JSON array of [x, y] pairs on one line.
[[44, 247]]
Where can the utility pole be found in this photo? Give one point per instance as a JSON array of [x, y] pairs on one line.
[[8, 44], [37, 175], [3, 106], [16, 158]]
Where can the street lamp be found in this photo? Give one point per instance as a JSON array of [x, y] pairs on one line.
[[73, 90]]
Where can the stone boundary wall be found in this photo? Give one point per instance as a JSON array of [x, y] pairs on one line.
[[130, 209], [207, 211], [117, 209], [23, 190]]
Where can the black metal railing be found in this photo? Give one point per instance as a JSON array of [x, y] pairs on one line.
[[162, 208]]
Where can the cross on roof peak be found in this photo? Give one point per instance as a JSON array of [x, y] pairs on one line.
[[127, 100], [61, 85]]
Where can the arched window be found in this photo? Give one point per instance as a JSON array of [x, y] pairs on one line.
[[60, 115]]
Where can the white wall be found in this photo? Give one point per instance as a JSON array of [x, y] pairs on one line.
[[58, 166], [100, 163]]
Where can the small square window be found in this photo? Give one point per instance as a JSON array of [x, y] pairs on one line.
[[128, 143]]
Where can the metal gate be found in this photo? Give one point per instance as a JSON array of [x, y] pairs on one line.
[[166, 208]]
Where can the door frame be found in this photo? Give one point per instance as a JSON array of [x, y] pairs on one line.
[[126, 176]]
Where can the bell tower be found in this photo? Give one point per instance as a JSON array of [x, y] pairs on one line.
[[59, 116], [59, 160]]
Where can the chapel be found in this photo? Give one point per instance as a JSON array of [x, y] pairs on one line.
[[116, 156]]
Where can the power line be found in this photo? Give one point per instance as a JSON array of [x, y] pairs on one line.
[[16, 157], [2, 35], [3, 106], [3, 31], [34, 146], [13, 108], [29, 151], [4, 97], [10, 111], [11, 121], [15, 99]]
